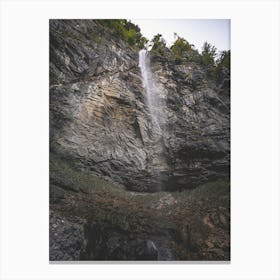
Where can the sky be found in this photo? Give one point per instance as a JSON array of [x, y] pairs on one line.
[[195, 31]]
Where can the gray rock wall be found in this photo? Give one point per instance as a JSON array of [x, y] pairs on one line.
[[99, 119]]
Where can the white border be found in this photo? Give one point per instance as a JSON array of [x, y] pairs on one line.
[[24, 138]]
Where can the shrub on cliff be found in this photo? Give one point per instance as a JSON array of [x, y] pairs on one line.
[[224, 60], [222, 71], [207, 58], [180, 47], [208, 54], [183, 50], [158, 45], [125, 30]]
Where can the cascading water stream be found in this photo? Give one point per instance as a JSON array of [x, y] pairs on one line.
[[158, 163], [152, 92], [156, 107]]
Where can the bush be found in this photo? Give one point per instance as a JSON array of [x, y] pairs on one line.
[[181, 47], [224, 60], [208, 54], [158, 45], [125, 30]]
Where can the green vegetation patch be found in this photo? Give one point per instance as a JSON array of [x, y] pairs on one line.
[[63, 174], [208, 190], [125, 30]]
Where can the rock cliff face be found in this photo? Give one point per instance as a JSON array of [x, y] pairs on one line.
[[99, 119], [122, 188]]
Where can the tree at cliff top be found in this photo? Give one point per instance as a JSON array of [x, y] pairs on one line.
[[180, 46], [208, 54], [222, 71], [182, 50], [158, 45], [126, 30], [224, 60]]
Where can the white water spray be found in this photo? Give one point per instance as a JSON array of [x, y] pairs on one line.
[[157, 161], [156, 105], [152, 92]]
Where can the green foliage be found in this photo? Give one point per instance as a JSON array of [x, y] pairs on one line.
[[222, 72], [184, 51], [158, 41], [126, 31], [158, 45], [63, 174], [224, 60], [143, 42], [180, 47], [213, 189], [73, 35], [186, 75], [208, 54]]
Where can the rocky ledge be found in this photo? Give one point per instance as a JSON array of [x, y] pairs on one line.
[[93, 219]]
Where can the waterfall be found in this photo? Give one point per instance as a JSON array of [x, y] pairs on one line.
[[157, 161], [156, 105], [154, 102]]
